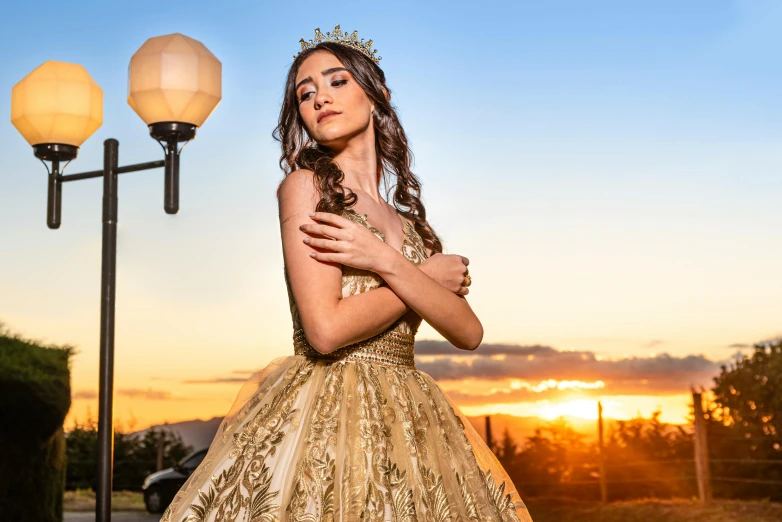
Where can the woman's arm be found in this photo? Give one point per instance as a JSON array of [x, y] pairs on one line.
[[329, 321], [445, 311]]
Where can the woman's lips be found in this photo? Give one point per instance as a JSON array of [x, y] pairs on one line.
[[328, 116]]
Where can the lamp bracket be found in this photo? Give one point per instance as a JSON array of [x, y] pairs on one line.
[[55, 151], [172, 131]]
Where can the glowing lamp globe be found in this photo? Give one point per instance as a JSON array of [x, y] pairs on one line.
[[56, 108], [174, 84]]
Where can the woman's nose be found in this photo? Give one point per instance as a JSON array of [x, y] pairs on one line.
[[322, 98]]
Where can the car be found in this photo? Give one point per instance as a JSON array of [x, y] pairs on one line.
[[160, 487]]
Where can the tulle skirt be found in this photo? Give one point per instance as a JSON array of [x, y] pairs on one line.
[[314, 440]]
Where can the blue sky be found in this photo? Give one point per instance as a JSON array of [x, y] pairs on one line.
[[611, 169]]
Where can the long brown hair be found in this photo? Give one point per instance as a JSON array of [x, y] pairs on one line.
[[393, 152]]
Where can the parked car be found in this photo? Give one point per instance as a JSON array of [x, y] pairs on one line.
[[160, 487]]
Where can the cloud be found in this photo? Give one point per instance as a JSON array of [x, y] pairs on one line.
[[427, 347], [502, 396], [770, 340], [217, 380], [658, 374], [133, 393], [543, 372], [246, 374], [85, 394], [149, 394]]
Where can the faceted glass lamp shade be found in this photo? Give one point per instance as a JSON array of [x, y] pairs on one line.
[[174, 78], [57, 103]]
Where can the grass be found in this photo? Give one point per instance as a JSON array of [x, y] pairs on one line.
[[653, 510], [548, 509], [84, 500]]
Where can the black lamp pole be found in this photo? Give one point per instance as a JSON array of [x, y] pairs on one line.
[[171, 133]]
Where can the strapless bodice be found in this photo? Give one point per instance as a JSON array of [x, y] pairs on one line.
[[395, 345]]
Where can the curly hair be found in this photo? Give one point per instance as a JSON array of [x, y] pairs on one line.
[[393, 152]]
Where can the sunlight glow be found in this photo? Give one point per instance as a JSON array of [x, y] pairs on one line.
[[487, 387], [675, 408], [566, 385], [579, 408]]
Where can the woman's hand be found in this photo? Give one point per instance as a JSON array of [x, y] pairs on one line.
[[448, 270], [342, 241]]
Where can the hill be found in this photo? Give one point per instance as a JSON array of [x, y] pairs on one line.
[[199, 433], [196, 433], [522, 427]]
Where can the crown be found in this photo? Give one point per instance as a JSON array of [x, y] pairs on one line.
[[338, 36]]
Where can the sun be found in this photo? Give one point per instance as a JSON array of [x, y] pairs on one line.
[[578, 408], [675, 408]]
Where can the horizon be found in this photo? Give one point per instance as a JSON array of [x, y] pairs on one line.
[[579, 424], [611, 170]]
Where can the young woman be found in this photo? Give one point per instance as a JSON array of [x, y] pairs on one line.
[[346, 428]]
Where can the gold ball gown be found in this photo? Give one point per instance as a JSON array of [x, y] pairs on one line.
[[355, 435]]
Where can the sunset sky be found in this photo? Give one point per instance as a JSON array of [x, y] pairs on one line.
[[612, 170]]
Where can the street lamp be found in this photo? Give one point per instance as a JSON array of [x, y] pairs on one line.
[[174, 84]]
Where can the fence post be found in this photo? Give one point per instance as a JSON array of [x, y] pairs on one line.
[[489, 441], [159, 463], [603, 492], [701, 451]]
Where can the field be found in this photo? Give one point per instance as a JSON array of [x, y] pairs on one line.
[[654, 510], [84, 500], [550, 510]]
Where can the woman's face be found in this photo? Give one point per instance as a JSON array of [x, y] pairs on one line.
[[323, 85]]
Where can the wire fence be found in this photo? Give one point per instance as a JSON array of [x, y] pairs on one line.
[[685, 477], [604, 477]]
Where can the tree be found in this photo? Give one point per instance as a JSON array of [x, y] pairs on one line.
[[749, 395], [135, 457], [508, 451], [649, 458], [746, 423], [556, 460]]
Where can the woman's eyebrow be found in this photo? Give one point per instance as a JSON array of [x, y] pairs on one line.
[[308, 79]]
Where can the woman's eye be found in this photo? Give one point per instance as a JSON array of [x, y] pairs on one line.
[[336, 83]]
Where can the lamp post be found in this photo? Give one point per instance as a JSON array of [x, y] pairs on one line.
[[174, 84]]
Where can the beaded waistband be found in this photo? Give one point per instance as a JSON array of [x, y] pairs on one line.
[[389, 347]]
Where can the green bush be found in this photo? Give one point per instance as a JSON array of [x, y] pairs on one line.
[[35, 396]]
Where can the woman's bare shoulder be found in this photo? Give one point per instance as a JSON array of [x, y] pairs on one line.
[[298, 180], [297, 194]]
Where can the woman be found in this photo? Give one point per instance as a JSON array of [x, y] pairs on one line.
[[346, 428]]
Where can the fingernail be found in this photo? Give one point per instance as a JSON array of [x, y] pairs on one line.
[[311, 214], [306, 240]]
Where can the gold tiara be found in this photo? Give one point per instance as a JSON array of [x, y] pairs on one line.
[[338, 36]]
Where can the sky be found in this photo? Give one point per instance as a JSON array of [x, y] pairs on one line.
[[611, 169]]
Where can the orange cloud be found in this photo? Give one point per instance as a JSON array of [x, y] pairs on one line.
[[149, 394], [661, 374], [85, 394]]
